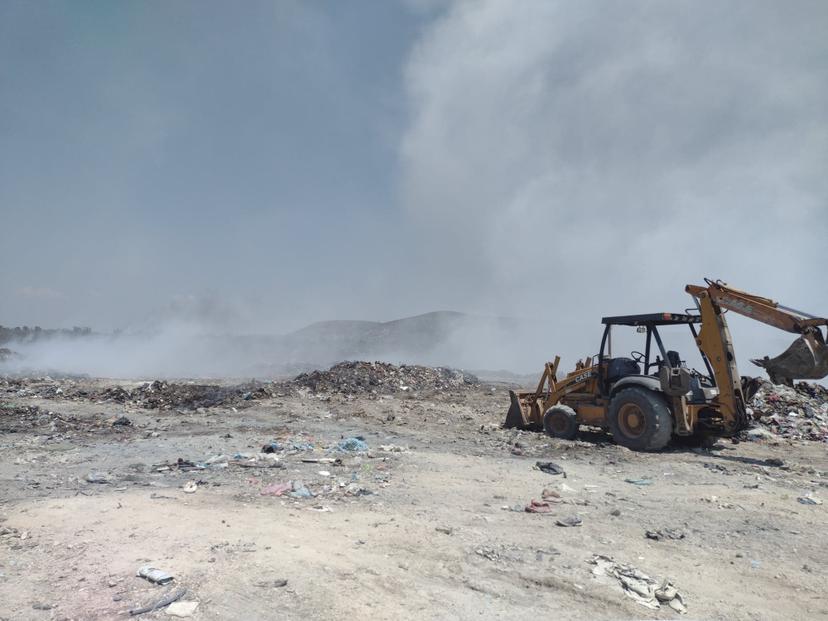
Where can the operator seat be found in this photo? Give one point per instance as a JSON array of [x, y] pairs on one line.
[[674, 358], [621, 367]]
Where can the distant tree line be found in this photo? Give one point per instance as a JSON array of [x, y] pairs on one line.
[[27, 334]]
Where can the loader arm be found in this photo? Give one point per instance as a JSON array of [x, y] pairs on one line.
[[526, 409]]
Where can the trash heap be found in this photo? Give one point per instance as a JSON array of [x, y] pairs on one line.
[[799, 413], [40, 421], [156, 395], [383, 378], [166, 396]]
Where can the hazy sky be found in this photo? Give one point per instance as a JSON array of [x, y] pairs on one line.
[[274, 163]]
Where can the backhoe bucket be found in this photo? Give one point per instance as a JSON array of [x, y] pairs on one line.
[[806, 358], [516, 416]]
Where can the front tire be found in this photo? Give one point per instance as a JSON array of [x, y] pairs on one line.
[[640, 419], [561, 421]]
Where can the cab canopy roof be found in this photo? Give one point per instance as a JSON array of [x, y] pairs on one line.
[[651, 319]]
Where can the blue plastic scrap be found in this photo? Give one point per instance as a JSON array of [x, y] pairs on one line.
[[352, 445]]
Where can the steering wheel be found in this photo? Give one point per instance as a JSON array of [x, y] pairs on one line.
[[638, 357]]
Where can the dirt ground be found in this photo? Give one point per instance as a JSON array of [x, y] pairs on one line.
[[428, 523]]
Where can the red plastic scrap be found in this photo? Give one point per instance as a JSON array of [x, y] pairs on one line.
[[276, 489], [538, 506]]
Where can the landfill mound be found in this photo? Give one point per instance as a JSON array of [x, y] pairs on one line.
[[799, 413], [383, 378], [165, 395], [40, 421], [156, 395]]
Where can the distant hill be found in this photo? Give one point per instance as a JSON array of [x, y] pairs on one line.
[[177, 349], [329, 341]]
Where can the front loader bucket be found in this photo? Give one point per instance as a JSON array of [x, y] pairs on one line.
[[515, 417], [806, 358]]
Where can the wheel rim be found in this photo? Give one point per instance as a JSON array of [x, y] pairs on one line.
[[631, 420], [558, 423]]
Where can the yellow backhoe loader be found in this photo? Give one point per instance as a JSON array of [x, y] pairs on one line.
[[645, 401]]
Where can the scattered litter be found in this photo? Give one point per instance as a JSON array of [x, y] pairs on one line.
[[300, 491], [565, 488], [352, 445], [295, 445], [536, 506], [190, 487], [324, 473], [122, 421], [273, 584], [664, 533], [444, 529], [181, 464], [217, 461], [637, 585], [322, 460], [551, 494], [161, 603], [154, 575], [353, 489], [488, 553], [258, 460], [572, 520], [393, 448], [808, 499], [276, 489], [97, 477], [639, 481], [760, 433], [182, 609], [550, 468]]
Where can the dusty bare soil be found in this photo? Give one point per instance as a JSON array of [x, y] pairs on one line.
[[428, 523]]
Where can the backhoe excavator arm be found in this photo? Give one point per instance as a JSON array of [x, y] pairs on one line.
[[716, 345], [806, 358], [759, 308]]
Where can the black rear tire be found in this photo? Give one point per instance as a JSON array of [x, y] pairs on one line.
[[640, 419], [561, 421]]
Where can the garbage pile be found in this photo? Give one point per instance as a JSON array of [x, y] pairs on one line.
[[799, 413], [40, 421], [154, 395], [383, 378], [159, 395]]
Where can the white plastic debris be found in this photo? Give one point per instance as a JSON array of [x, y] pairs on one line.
[[637, 585], [182, 609], [155, 575]]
